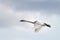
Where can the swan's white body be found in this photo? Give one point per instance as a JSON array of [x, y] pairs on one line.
[[37, 25]]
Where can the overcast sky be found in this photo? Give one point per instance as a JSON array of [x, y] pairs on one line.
[[11, 11]]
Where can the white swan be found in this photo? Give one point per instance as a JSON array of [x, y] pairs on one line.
[[37, 25]]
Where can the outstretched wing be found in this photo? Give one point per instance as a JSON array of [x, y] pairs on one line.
[[37, 29]]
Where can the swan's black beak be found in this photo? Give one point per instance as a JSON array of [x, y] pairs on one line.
[[48, 25], [22, 20]]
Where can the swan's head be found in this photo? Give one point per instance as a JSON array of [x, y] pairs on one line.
[[22, 20]]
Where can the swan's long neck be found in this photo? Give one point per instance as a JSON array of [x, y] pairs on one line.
[[26, 21]]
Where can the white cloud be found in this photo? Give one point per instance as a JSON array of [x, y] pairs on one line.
[[10, 18]]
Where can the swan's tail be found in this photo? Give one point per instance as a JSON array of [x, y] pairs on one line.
[[47, 25]]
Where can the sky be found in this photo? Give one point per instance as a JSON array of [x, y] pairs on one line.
[[11, 11]]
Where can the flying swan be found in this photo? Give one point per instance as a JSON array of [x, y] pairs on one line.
[[37, 25]]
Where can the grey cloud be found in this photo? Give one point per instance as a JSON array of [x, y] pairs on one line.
[[6, 20], [46, 7], [52, 6]]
